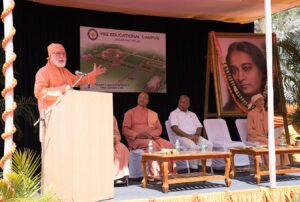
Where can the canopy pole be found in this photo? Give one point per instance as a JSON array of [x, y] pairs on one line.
[[269, 51]]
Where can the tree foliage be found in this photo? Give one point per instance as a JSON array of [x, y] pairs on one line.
[[290, 62], [289, 49], [282, 22], [286, 25]]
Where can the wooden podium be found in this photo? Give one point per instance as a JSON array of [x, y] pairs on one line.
[[78, 147]]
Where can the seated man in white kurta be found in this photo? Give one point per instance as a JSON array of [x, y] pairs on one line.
[[187, 128]]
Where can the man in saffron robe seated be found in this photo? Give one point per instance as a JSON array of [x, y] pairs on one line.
[[141, 125], [257, 120], [121, 157], [258, 126]]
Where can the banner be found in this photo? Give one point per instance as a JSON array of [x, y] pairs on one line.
[[135, 61]]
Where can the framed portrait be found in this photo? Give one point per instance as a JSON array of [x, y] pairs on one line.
[[238, 62]]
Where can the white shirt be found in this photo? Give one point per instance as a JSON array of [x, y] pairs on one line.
[[187, 121]]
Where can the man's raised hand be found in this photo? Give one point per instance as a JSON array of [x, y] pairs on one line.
[[98, 70]]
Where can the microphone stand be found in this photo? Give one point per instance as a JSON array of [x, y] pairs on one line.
[[45, 113]]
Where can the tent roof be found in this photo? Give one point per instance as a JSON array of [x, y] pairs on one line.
[[239, 11]]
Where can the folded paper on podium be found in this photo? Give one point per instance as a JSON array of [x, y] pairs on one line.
[[78, 147]]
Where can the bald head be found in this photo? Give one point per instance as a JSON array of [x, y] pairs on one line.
[[143, 99], [184, 103]]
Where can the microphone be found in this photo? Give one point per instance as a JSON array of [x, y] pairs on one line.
[[80, 73]]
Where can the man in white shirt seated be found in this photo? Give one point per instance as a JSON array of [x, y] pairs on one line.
[[187, 128]]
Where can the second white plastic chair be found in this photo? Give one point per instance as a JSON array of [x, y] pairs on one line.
[[218, 133], [241, 125]]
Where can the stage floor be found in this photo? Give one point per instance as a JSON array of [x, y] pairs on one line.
[[242, 181]]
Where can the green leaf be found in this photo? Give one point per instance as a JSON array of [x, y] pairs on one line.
[[26, 164]]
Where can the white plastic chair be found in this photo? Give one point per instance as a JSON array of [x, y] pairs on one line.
[[241, 125], [218, 133], [181, 164]]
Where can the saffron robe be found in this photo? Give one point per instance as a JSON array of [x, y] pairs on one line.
[[48, 82], [258, 126], [143, 120], [121, 155], [139, 120]]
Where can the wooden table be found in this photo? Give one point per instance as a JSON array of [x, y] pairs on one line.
[[256, 152], [164, 159]]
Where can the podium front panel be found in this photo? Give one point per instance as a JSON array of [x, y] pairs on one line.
[[78, 160]]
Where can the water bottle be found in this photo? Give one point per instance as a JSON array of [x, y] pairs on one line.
[[282, 139], [202, 144], [150, 146], [177, 145]]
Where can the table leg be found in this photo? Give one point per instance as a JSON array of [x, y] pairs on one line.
[[233, 171], [282, 160], [174, 169], [203, 166], [165, 171], [227, 170], [144, 169], [257, 168]]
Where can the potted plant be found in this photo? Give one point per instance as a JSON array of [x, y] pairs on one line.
[[290, 64], [23, 182]]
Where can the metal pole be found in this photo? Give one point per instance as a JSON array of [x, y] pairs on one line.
[[269, 51]]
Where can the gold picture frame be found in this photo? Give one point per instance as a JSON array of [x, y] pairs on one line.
[[235, 79]]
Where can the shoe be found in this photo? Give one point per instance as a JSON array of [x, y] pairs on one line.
[[181, 171], [121, 182]]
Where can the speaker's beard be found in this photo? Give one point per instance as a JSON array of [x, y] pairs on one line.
[[59, 63]]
